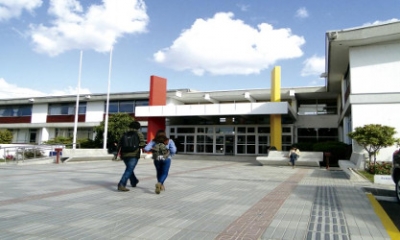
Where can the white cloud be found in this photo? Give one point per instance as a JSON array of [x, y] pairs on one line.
[[380, 22], [243, 7], [8, 90], [14, 8], [98, 28], [70, 91], [222, 45], [302, 13], [313, 66]]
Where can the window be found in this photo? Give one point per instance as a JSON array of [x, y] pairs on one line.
[[311, 135], [185, 130], [127, 106], [317, 106], [15, 111], [225, 130], [66, 109]]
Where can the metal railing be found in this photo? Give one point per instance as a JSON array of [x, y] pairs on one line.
[[24, 152]]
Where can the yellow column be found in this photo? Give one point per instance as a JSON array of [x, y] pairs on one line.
[[275, 119]]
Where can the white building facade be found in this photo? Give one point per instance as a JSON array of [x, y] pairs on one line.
[[363, 64]]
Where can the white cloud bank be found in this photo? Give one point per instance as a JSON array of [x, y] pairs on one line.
[[378, 22], [313, 66], [98, 28], [8, 90], [14, 8], [222, 45]]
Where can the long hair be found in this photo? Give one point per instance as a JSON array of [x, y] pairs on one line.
[[161, 137]]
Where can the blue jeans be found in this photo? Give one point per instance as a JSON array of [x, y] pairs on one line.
[[293, 158], [130, 163], [162, 169]]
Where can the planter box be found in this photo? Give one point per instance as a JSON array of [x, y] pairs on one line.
[[383, 179]]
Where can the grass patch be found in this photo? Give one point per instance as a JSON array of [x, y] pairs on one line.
[[367, 175]]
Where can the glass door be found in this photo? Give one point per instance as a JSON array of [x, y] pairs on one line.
[[229, 145]]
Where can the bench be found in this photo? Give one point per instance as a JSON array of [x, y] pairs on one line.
[[279, 158], [356, 161]]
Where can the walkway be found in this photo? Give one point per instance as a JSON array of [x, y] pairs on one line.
[[203, 200]]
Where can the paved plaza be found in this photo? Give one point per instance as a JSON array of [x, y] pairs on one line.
[[204, 199]]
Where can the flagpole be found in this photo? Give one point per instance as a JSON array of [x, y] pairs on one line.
[[108, 102], [77, 102]]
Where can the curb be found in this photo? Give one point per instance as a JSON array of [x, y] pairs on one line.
[[387, 223]]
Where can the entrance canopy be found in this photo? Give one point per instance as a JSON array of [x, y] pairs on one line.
[[231, 109]]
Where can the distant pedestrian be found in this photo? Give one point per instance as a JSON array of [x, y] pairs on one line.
[[162, 149], [293, 155], [129, 147]]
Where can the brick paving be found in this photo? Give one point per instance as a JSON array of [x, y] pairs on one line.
[[203, 200]]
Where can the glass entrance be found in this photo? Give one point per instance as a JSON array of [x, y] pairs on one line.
[[229, 145]]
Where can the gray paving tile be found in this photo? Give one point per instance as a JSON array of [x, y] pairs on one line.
[[202, 199]]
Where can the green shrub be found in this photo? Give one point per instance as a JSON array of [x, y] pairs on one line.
[[382, 168], [32, 153], [88, 143], [5, 136], [59, 140], [308, 146]]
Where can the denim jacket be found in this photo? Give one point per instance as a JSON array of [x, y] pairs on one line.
[[170, 146]]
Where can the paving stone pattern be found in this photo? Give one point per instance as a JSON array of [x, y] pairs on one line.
[[203, 200]]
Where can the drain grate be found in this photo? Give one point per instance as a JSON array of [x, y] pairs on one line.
[[327, 218]]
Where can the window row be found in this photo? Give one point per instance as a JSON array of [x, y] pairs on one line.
[[125, 106], [66, 108], [226, 130], [69, 108], [15, 111], [240, 144]]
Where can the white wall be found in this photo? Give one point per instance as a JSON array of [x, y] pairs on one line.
[[44, 135], [375, 69], [94, 111], [384, 114], [213, 109], [39, 113]]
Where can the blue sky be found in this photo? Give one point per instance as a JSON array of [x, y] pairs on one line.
[[203, 45]]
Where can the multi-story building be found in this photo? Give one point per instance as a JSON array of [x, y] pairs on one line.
[[362, 73], [363, 65], [235, 122]]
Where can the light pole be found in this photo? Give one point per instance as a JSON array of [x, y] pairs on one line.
[[77, 102], [108, 102]]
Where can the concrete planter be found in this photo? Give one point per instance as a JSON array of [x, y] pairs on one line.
[[383, 179]]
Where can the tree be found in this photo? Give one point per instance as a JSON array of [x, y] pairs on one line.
[[374, 137], [6, 136], [118, 124]]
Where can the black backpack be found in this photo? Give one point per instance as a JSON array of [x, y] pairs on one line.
[[130, 142]]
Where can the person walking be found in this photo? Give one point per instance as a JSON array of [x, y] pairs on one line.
[[129, 148], [162, 149]]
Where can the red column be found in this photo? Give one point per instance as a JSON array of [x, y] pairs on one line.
[[158, 97]]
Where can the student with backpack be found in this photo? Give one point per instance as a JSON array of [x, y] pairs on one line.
[[129, 148], [163, 149]]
